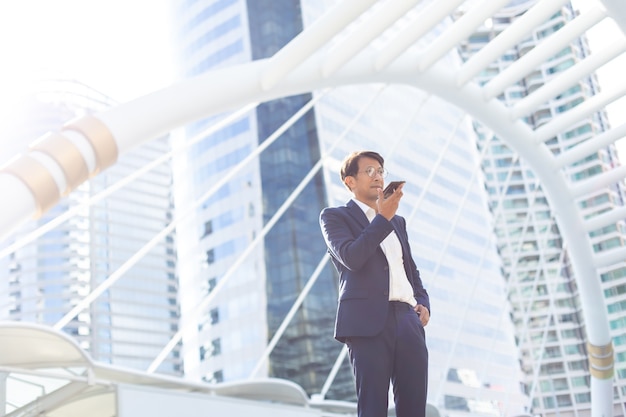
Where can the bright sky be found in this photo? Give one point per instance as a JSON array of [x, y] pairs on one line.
[[122, 49]]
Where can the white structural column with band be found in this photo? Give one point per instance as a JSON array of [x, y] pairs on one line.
[[55, 165]]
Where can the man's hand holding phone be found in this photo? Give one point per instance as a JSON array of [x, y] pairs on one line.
[[391, 187], [389, 199]]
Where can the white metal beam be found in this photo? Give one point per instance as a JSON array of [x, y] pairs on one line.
[[430, 17], [542, 52], [567, 79], [588, 147], [368, 30], [605, 219], [610, 257], [597, 182], [460, 30], [508, 38], [591, 105], [310, 40]]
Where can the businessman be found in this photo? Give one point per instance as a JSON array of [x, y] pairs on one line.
[[383, 306]]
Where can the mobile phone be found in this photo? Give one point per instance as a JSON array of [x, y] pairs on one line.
[[389, 189]]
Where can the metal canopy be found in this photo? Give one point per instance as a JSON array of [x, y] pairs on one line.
[[85, 387]]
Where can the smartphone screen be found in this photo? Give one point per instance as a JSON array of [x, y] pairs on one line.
[[391, 187]]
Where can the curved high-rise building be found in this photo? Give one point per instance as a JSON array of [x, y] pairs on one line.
[[541, 286], [242, 267]]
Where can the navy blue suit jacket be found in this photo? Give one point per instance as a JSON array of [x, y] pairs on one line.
[[354, 245]]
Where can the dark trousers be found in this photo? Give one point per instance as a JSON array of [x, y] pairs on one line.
[[397, 354]]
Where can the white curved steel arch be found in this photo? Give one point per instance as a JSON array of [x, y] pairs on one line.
[[91, 144]]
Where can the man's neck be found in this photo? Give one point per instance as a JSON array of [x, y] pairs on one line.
[[371, 204]]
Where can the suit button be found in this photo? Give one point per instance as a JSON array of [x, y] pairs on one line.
[[386, 268], [385, 292]]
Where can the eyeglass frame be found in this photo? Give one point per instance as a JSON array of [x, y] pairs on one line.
[[380, 171]]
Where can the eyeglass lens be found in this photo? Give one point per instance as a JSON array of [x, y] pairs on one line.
[[371, 171]]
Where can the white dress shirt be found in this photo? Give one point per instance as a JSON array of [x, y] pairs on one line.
[[400, 288]]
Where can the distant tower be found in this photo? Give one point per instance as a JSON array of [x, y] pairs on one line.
[[43, 280]]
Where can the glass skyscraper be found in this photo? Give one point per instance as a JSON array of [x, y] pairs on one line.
[[43, 280], [252, 276], [541, 286]]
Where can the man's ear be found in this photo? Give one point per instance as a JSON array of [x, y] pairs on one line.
[[349, 181]]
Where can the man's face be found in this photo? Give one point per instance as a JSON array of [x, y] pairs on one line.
[[364, 187]]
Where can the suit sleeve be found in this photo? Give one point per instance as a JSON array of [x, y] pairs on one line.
[[350, 248]]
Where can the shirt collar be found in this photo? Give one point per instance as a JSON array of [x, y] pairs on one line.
[[370, 213]]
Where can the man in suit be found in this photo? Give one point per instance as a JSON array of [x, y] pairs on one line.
[[383, 306]]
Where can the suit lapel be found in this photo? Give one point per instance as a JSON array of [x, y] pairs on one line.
[[356, 212]]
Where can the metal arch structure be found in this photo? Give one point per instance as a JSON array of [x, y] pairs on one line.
[[334, 51]]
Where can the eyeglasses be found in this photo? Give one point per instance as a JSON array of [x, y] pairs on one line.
[[372, 171]]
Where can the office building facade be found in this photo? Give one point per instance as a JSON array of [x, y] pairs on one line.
[[239, 281]]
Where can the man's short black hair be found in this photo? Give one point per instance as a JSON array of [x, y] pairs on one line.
[[350, 165]]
